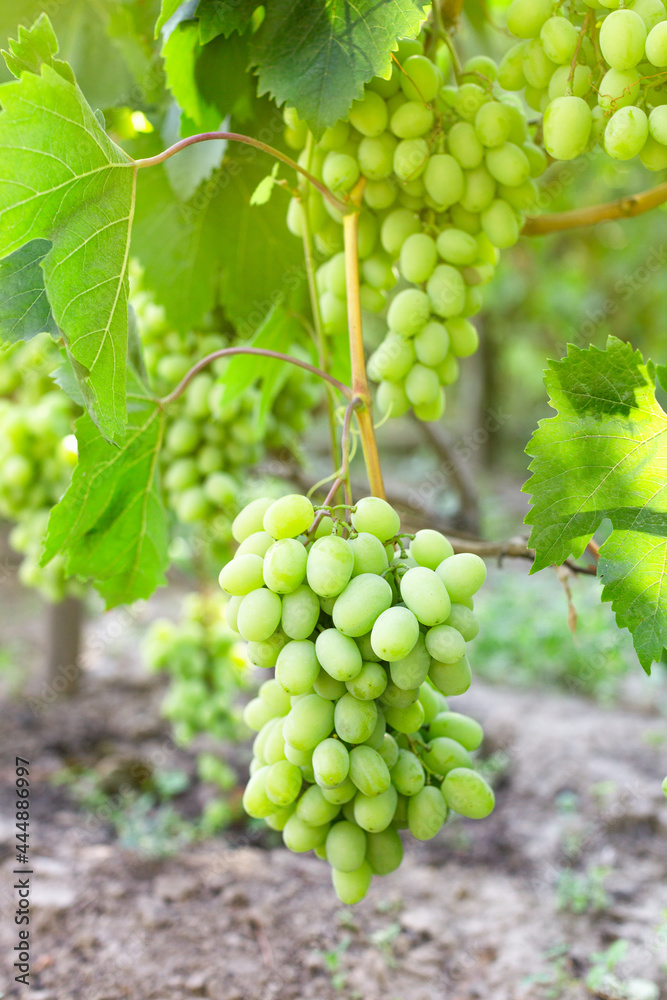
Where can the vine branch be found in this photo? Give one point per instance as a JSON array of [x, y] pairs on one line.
[[151, 161], [622, 208], [227, 352]]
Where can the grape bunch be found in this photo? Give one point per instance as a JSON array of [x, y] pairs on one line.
[[447, 172], [597, 71], [355, 738], [37, 456], [207, 673], [209, 441]]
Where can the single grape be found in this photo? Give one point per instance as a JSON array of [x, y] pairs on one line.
[[443, 180], [338, 654], [407, 774], [411, 120], [396, 228], [369, 683], [309, 722], [427, 812], [394, 633], [537, 67], [432, 344], [328, 687], [467, 793], [410, 160], [251, 518], [510, 70], [412, 670], [369, 115], [368, 771], [393, 359], [464, 621], [301, 610], [622, 39], [461, 728], [618, 89], [493, 124], [283, 783], [446, 291], [429, 548], [480, 190], [346, 846], [297, 666], [451, 678], [422, 385], [420, 80], [500, 224], [626, 132], [354, 719], [559, 38], [374, 813], [284, 565], [313, 809], [425, 595], [242, 574], [567, 127], [255, 799], [351, 887], [300, 837], [377, 517], [657, 124], [463, 575], [369, 556], [288, 517], [329, 567]]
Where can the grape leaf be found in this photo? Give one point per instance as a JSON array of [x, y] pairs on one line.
[[222, 17], [111, 524], [264, 189], [65, 181], [169, 8], [180, 54], [604, 456], [24, 307], [318, 56]]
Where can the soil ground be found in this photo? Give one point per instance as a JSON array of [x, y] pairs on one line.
[[472, 914]]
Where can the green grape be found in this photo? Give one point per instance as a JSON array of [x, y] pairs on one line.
[[335, 275], [274, 746], [508, 164], [425, 595], [256, 801], [411, 120], [445, 643], [379, 195], [368, 771], [297, 666], [657, 124], [328, 687], [432, 344], [412, 670], [467, 793], [251, 519], [468, 98], [480, 190], [559, 39], [618, 89], [537, 67], [407, 774], [409, 312], [396, 697], [258, 615], [526, 17], [351, 887], [500, 224], [451, 678], [394, 633], [567, 127], [410, 160], [563, 83], [309, 722], [429, 701], [301, 610], [465, 146], [464, 621], [338, 654], [313, 809], [341, 794], [457, 247], [493, 124], [460, 728], [650, 11], [301, 837], [420, 80], [443, 180], [354, 720], [369, 116], [463, 575], [242, 574], [418, 257], [346, 846], [406, 719], [374, 741], [374, 813], [369, 557], [622, 39], [302, 758], [331, 763], [329, 567], [446, 291], [391, 399], [396, 228], [653, 155], [377, 517], [626, 132], [288, 517], [283, 783], [421, 385], [384, 851], [388, 750], [510, 70], [273, 695], [378, 272], [427, 811], [365, 597], [284, 565], [369, 683], [429, 548]]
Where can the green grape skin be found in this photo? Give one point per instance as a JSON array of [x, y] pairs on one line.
[[653, 155], [377, 271], [418, 258], [351, 887], [406, 719], [354, 720], [335, 275], [365, 597], [380, 195], [465, 220], [652, 12], [468, 98], [451, 678], [394, 633], [368, 771], [559, 38], [369, 116], [480, 190], [464, 145], [284, 566], [656, 45], [425, 595], [429, 700], [391, 399], [622, 39], [443, 180], [457, 247], [340, 171], [250, 519], [374, 741], [427, 812], [328, 687], [346, 846], [365, 648], [297, 666], [560, 84], [493, 124], [432, 344], [331, 763], [301, 611], [377, 517], [309, 722], [420, 80], [657, 123], [526, 17], [376, 156], [412, 670], [429, 548], [510, 70], [467, 793], [369, 683], [396, 697], [274, 745], [388, 750], [396, 228], [446, 291], [626, 133], [460, 728], [410, 160], [329, 567], [384, 851], [422, 385], [537, 67], [275, 697], [500, 224], [242, 574], [462, 574], [374, 813], [258, 615], [407, 774], [288, 517], [411, 120], [464, 621], [618, 89], [182, 437], [445, 644], [256, 802], [302, 758], [369, 556], [508, 164], [313, 809], [409, 312], [341, 794], [265, 653], [278, 819], [300, 837], [338, 654], [567, 127], [283, 783], [180, 474]]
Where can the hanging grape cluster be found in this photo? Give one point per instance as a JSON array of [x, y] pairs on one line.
[[355, 739], [447, 172], [598, 73], [37, 455]]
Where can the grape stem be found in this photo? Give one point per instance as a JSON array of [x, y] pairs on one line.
[[622, 208], [227, 352], [151, 161], [359, 381]]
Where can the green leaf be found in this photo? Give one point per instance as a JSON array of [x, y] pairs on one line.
[[181, 52], [168, 9], [318, 56], [264, 189], [604, 456], [223, 17], [65, 181], [34, 47], [24, 306], [111, 524]]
